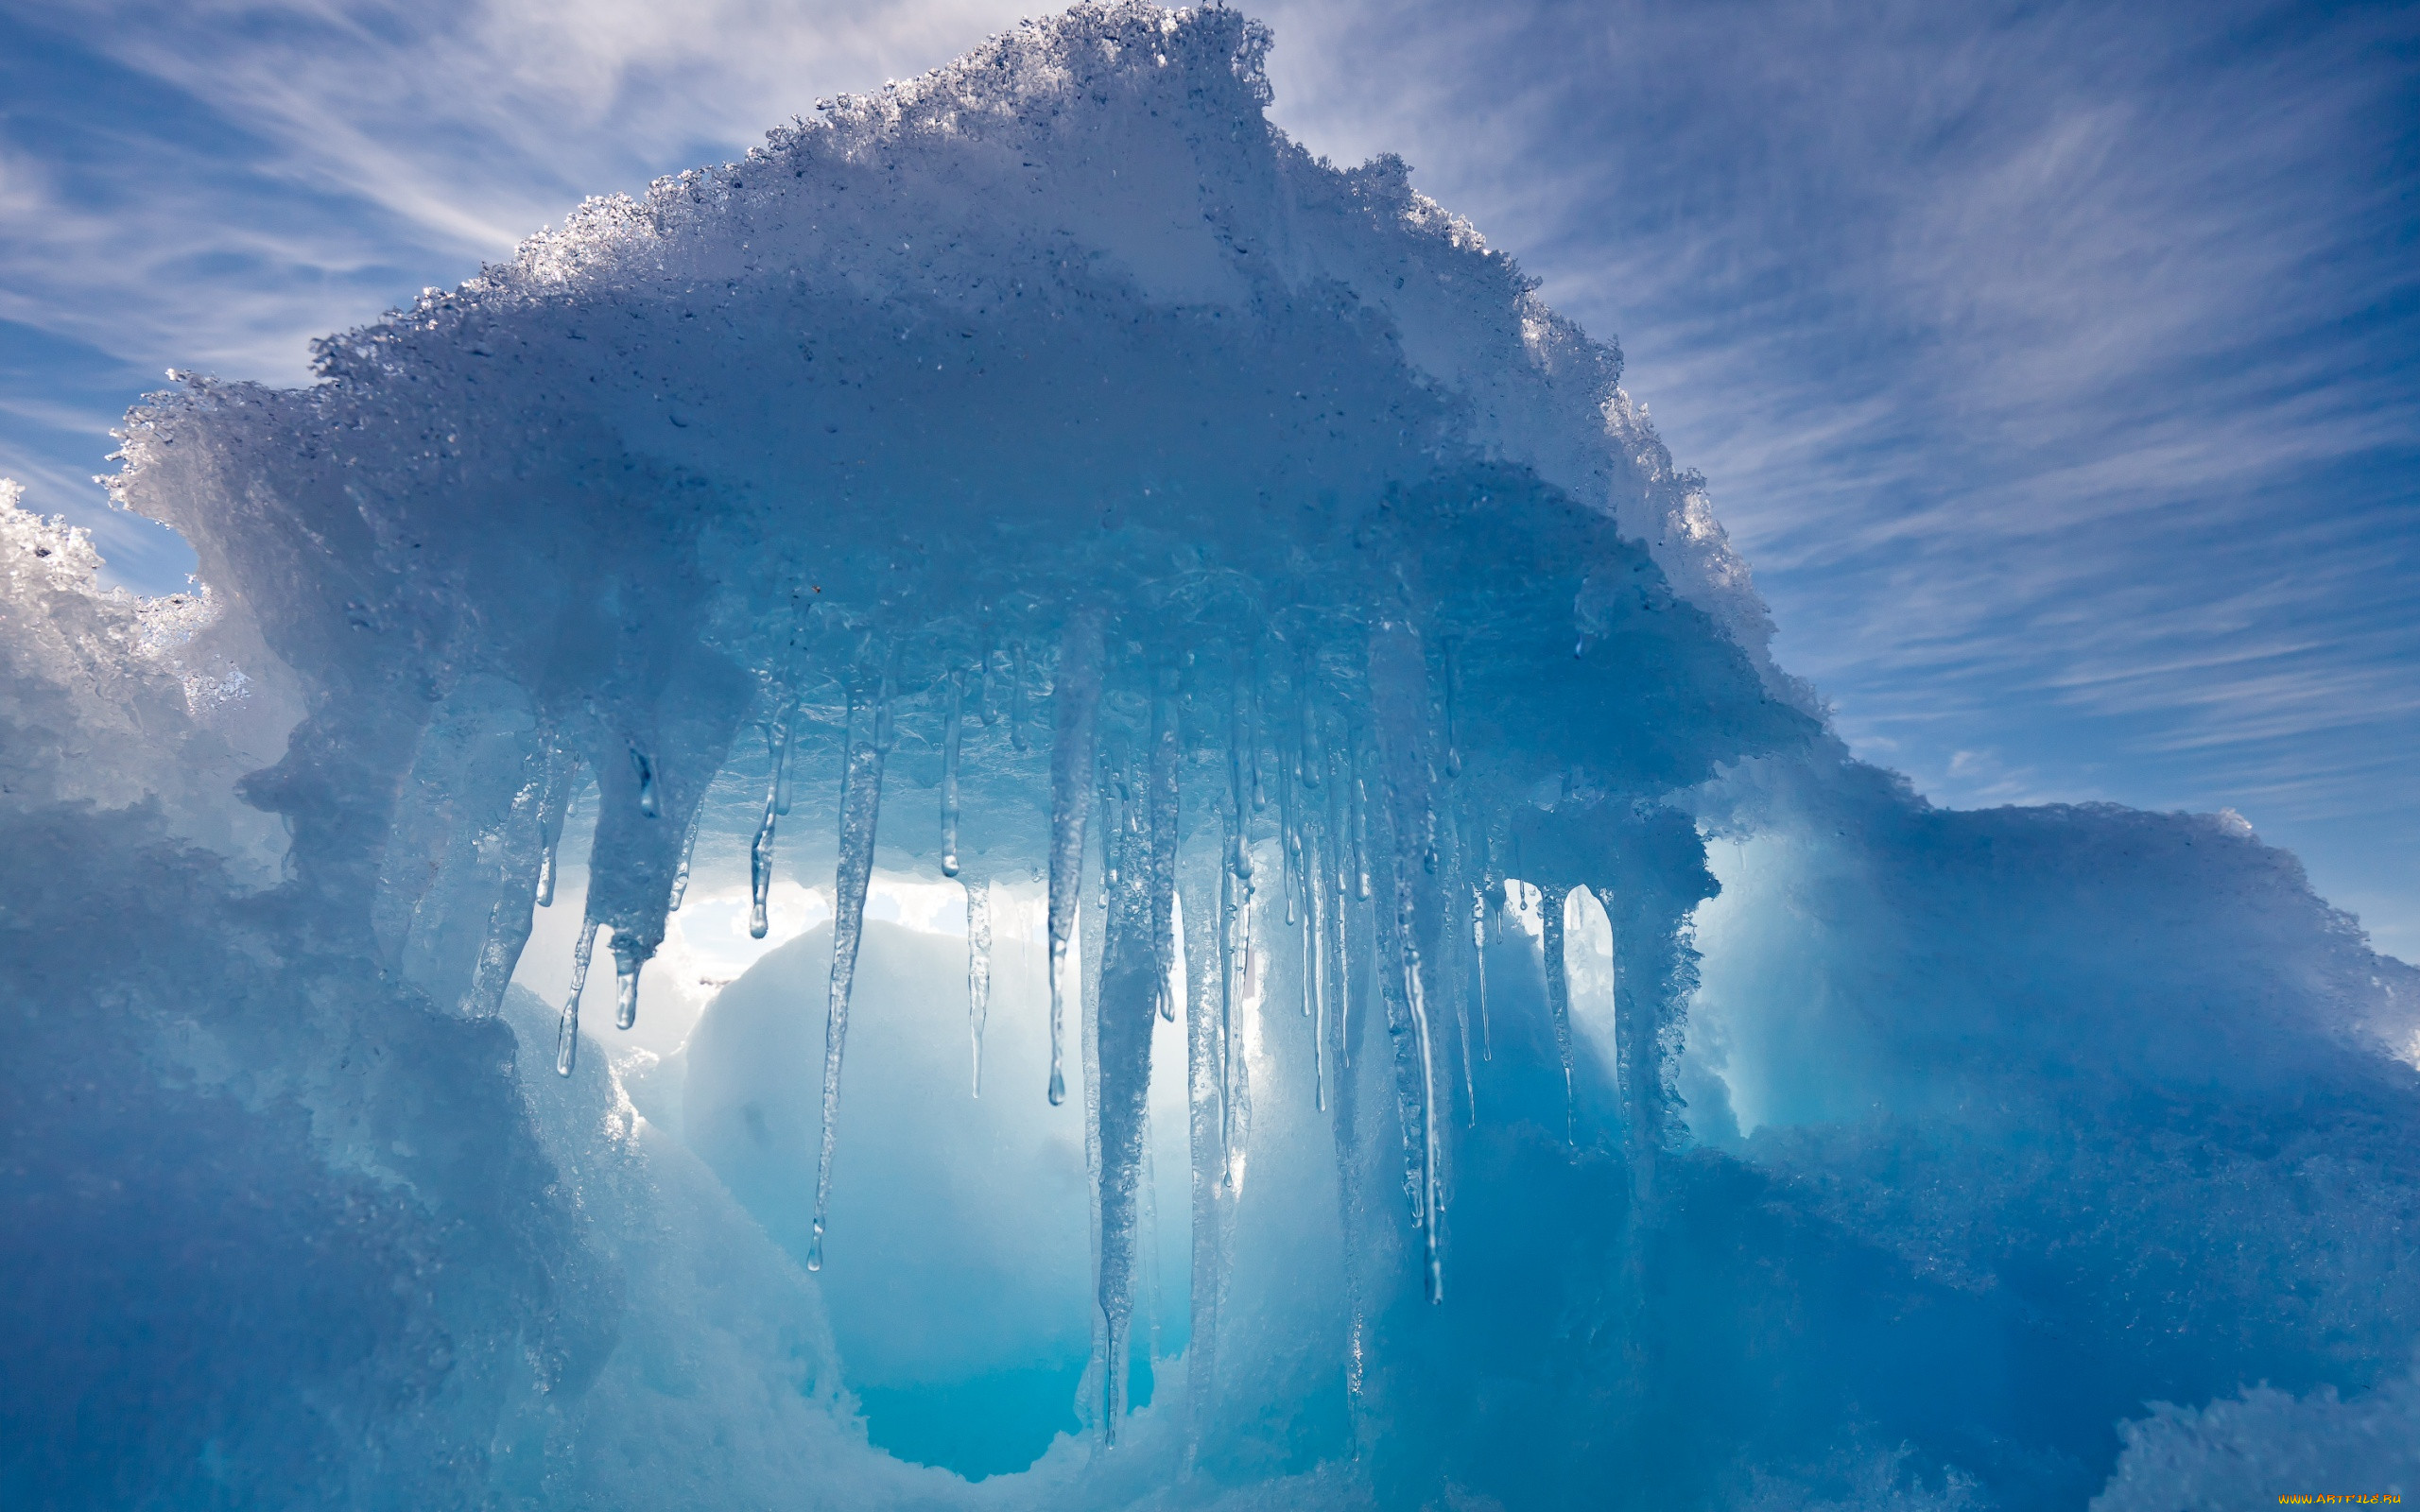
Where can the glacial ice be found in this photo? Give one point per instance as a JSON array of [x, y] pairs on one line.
[[1369, 716]]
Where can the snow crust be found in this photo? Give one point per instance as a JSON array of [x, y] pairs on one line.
[[1117, 597]]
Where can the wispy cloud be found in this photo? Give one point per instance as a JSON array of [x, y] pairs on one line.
[[2053, 365]]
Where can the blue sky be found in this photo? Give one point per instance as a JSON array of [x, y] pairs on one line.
[[2056, 367]]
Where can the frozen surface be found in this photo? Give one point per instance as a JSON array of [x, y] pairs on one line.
[[1042, 485]]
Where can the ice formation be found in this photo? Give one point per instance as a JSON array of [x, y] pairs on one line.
[[1502, 1051]]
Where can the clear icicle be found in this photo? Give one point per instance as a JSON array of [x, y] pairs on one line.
[[689, 848], [1016, 697], [1251, 753], [885, 728], [1550, 936], [861, 809], [978, 970], [554, 810], [627, 961], [1227, 989], [1340, 827], [1205, 1107], [509, 917], [1315, 930], [952, 734], [1124, 1018], [778, 735], [1113, 822], [1076, 698], [760, 850], [645, 770], [1239, 739], [567, 1038], [1398, 682], [985, 708], [1453, 709], [1478, 956], [1168, 754], [1360, 834], [1313, 759]]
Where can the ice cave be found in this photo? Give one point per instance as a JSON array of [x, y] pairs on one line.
[[1035, 803]]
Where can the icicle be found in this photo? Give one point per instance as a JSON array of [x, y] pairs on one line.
[[1078, 698], [1124, 1017], [1113, 819], [1235, 1064], [760, 876], [518, 842], [1309, 760], [645, 770], [1240, 848], [1340, 830], [689, 848], [1016, 698], [1251, 751], [1360, 834], [984, 706], [567, 1038], [979, 969], [1289, 844], [1315, 963], [950, 739], [1478, 954], [760, 850], [1453, 709], [1550, 901], [1227, 885], [886, 729], [861, 809], [1206, 1126], [778, 735], [1398, 683], [627, 961], [554, 810], [1168, 755]]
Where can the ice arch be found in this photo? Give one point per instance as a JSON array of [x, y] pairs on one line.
[[1045, 470]]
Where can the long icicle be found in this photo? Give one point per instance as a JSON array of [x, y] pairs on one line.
[[1551, 902], [627, 961], [952, 734], [1167, 757], [760, 850], [1124, 1018], [779, 733], [1314, 958], [1399, 692], [1206, 1132], [510, 915], [1016, 697], [978, 967], [1077, 699], [1450, 955], [567, 1038], [1227, 990], [1478, 954], [1339, 813], [861, 809], [689, 848], [554, 810]]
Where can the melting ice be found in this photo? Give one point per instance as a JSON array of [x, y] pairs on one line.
[[1448, 1023]]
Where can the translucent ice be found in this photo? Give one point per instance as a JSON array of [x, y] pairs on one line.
[[1902, 1157]]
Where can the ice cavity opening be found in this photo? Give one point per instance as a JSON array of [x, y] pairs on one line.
[[960, 1277]]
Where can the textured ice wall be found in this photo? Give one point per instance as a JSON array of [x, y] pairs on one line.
[[1046, 472]]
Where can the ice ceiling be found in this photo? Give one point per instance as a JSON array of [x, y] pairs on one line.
[[1243, 916]]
